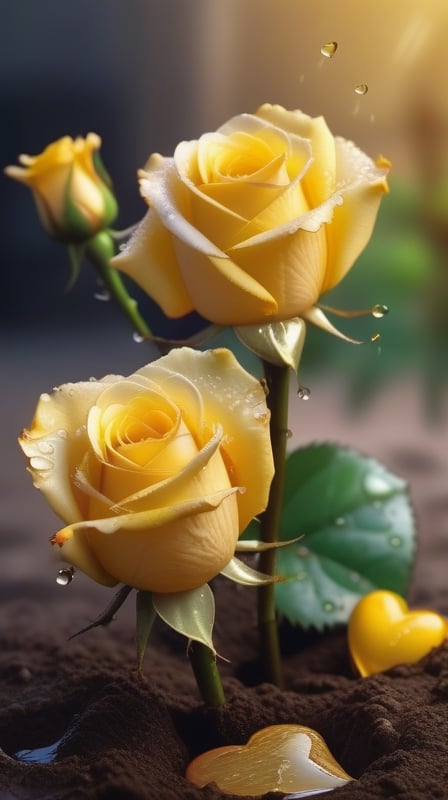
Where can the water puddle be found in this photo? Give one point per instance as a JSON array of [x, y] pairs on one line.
[[38, 755]]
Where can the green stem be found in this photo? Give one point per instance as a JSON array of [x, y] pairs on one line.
[[277, 379], [203, 662], [100, 249]]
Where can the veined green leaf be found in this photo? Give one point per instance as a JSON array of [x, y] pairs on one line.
[[358, 534]]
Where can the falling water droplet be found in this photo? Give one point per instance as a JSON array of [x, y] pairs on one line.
[[103, 295], [65, 576], [361, 88], [379, 310], [137, 337], [303, 393], [375, 337], [329, 49]]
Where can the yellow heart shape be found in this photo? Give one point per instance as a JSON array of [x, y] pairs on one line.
[[285, 758], [382, 632]]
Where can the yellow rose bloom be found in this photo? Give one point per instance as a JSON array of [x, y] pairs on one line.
[[157, 474], [70, 187], [253, 223]]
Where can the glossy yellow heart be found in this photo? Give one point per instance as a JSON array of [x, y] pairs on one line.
[[382, 632], [280, 758]]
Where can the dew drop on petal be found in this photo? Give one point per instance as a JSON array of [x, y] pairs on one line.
[[61, 433], [328, 606], [329, 49], [45, 397], [40, 464], [65, 576], [46, 448], [379, 310], [361, 88]]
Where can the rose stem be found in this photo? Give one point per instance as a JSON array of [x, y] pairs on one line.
[[203, 662], [277, 378], [99, 250]]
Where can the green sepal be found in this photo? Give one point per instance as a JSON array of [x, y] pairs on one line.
[[279, 343], [76, 227], [101, 170], [146, 615], [239, 572], [76, 256], [358, 534], [190, 613], [256, 546]]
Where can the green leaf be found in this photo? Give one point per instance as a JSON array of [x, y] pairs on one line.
[[358, 534], [146, 615], [190, 613]]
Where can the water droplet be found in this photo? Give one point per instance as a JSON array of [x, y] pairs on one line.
[[122, 247], [361, 88], [328, 50], [61, 433], [103, 295], [340, 521], [395, 541], [375, 337], [261, 416], [376, 486], [328, 606], [303, 393], [46, 447], [289, 433], [65, 576], [379, 310], [137, 337], [45, 397], [40, 464]]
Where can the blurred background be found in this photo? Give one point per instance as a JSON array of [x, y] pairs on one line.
[[147, 73]]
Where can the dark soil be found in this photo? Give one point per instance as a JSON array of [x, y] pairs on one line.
[[128, 739]]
